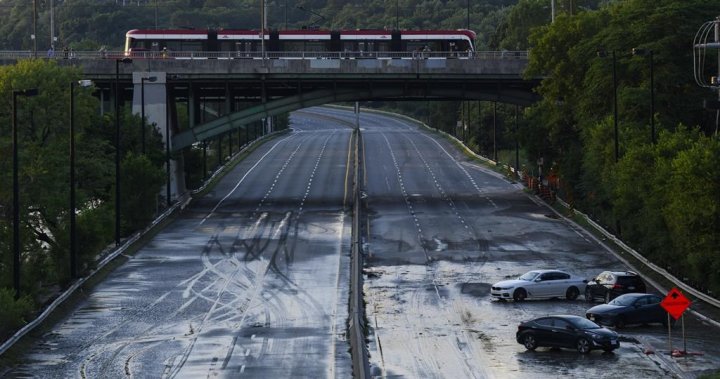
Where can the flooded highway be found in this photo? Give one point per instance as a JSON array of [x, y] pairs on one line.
[[442, 230], [252, 279]]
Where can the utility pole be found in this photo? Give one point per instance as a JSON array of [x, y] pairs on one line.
[[34, 34], [52, 23]]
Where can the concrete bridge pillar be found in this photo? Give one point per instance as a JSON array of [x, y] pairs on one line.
[[160, 111]]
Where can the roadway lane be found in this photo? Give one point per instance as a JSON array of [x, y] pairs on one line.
[[251, 280], [441, 231]]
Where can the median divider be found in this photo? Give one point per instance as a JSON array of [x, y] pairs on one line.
[[356, 322]]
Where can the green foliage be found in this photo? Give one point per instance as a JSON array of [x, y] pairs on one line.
[[13, 313], [661, 198], [140, 183], [43, 173]]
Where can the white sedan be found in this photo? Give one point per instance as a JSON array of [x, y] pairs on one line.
[[540, 284]]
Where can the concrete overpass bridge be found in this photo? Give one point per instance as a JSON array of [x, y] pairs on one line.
[[222, 95]]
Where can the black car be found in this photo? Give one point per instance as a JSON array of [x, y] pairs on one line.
[[611, 284], [573, 332], [631, 308]]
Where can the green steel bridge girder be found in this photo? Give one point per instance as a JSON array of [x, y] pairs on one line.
[[287, 104]]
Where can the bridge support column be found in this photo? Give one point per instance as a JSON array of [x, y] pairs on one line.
[[160, 110]]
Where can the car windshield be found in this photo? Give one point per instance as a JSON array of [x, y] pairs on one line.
[[623, 300], [529, 276], [585, 324]]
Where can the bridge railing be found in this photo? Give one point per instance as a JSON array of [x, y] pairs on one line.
[[90, 55]]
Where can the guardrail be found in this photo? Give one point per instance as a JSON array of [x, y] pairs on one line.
[[360, 362], [659, 270], [92, 55]]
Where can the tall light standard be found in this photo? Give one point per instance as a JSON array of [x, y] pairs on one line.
[[117, 147], [16, 189], [397, 14], [73, 228], [150, 79], [168, 116], [602, 54], [649, 53], [34, 35]]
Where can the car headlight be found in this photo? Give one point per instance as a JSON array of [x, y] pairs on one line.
[[505, 288]]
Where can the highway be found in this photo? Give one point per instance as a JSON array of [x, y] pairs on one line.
[[252, 279]]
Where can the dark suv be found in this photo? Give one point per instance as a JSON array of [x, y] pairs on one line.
[[611, 284]]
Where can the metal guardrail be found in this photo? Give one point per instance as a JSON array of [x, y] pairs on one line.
[[659, 270], [97, 55], [360, 362]]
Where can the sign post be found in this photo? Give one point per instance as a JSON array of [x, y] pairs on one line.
[[675, 303]]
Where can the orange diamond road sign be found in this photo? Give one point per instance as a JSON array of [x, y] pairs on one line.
[[675, 303]]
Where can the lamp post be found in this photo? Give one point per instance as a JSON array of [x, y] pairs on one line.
[[117, 147], [468, 14], [150, 79], [517, 144], [73, 227], [397, 14], [649, 53], [16, 189], [602, 54], [167, 142]]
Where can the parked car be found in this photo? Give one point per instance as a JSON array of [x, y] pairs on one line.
[[572, 332], [630, 308], [611, 284], [539, 284]]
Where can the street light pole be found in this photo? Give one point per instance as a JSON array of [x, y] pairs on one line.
[[649, 53], [73, 235], [468, 14], [602, 54], [167, 142], [16, 189], [397, 14], [117, 147], [73, 207], [652, 98]]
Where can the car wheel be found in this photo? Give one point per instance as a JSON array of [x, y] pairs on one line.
[[572, 293], [607, 297], [619, 323], [530, 342], [583, 345], [519, 294], [608, 349], [588, 296]]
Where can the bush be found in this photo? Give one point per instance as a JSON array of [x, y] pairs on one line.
[[13, 313]]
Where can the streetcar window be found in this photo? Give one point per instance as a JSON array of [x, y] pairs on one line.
[[315, 46], [294, 46], [173, 46], [190, 46], [415, 46], [348, 46]]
